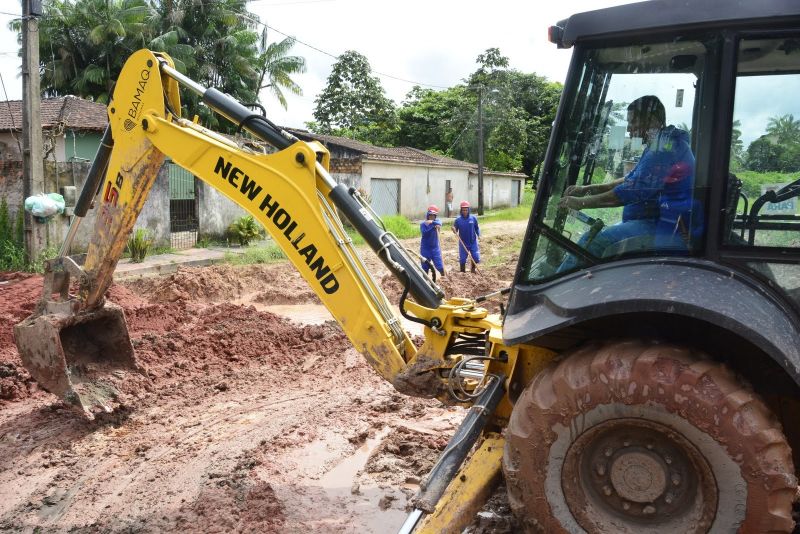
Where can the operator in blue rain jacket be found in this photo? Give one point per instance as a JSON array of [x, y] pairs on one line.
[[466, 227]]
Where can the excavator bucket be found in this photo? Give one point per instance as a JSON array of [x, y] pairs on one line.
[[81, 357]]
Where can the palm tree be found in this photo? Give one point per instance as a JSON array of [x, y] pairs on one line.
[[276, 67], [83, 44], [785, 128]]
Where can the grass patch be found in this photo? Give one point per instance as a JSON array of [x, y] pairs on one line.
[[264, 254], [517, 213], [396, 224]]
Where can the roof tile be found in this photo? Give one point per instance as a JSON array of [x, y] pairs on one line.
[[75, 113]]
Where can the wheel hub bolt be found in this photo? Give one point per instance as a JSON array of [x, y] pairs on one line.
[[607, 491], [601, 469], [626, 506], [668, 459], [649, 509], [609, 451], [668, 498], [676, 479], [626, 443]]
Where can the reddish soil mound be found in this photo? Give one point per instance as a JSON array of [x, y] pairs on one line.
[[267, 284], [215, 283], [455, 284], [18, 295], [224, 334]]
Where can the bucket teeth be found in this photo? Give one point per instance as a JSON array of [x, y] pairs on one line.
[[80, 357]]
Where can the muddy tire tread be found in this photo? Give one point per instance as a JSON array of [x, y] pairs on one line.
[[574, 382]]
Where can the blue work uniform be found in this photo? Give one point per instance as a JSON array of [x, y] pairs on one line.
[[429, 247], [468, 230], [657, 196]]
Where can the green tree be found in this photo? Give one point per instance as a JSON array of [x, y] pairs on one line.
[[518, 111], [354, 104], [764, 156], [276, 67], [737, 146], [434, 120], [83, 44], [785, 128]]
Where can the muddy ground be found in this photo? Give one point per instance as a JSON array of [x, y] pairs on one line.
[[254, 413]]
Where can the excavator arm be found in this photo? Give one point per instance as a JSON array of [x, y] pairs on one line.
[[77, 345], [290, 192]]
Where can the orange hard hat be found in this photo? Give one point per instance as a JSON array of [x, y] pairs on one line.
[[433, 210], [465, 204]]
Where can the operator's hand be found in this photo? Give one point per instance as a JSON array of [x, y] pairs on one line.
[[453, 228], [576, 191], [573, 203]]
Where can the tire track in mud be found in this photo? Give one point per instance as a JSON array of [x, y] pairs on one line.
[[121, 481]]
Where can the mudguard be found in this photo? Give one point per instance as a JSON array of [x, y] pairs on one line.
[[693, 288]]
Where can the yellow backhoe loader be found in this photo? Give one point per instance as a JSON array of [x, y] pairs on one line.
[[644, 377]]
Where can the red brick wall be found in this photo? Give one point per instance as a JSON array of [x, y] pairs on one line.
[[11, 184], [346, 165]]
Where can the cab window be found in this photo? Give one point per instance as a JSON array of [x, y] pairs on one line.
[[623, 182], [764, 169]]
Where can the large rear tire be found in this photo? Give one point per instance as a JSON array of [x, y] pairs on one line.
[[636, 437]]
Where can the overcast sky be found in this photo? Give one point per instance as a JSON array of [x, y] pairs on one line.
[[430, 43]]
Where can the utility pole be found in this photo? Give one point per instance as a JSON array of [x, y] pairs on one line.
[[32, 164], [480, 150]]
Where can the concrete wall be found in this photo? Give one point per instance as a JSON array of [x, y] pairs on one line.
[[81, 144], [497, 190], [215, 211], [419, 186], [347, 169], [154, 215], [9, 146], [11, 185]]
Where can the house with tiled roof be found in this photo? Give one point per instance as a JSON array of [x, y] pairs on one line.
[[407, 180], [71, 128]]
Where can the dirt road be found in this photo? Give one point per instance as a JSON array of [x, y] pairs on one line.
[[255, 414]]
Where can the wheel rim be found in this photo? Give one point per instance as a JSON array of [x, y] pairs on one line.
[[641, 472]]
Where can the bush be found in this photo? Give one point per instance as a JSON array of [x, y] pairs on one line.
[[139, 244], [268, 254], [6, 226], [12, 257], [752, 181], [244, 230], [400, 226]]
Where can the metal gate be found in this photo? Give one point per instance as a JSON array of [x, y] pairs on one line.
[[183, 222], [385, 196]]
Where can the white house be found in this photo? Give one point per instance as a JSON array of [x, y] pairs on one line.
[[403, 180]]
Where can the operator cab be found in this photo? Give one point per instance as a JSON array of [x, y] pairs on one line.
[[717, 181]]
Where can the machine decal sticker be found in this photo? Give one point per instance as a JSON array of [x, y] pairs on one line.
[[282, 220]]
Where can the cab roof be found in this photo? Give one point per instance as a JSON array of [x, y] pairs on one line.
[[654, 15]]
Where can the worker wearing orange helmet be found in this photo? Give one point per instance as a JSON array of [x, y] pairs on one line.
[[466, 226], [429, 247]]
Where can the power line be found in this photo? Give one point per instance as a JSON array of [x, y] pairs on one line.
[[249, 16], [334, 56]]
